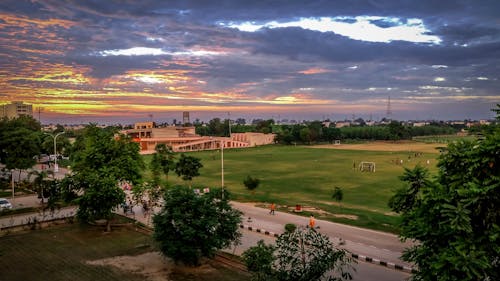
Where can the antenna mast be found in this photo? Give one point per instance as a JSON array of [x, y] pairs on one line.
[[389, 110]]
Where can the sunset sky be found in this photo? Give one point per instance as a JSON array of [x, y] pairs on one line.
[[124, 61]]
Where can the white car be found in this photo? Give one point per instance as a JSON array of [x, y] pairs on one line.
[[5, 204]]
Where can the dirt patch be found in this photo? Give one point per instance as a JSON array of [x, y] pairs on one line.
[[385, 146], [151, 265], [350, 217], [322, 213]]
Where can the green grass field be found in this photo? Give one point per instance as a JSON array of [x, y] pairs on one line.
[[304, 175], [443, 138]]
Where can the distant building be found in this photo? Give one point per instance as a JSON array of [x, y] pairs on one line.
[[420, 124], [16, 109], [185, 117], [341, 124], [182, 139]]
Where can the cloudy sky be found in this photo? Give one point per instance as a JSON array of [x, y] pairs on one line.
[[122, 61]]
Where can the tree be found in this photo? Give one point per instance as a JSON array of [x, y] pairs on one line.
[[497, 111], [19, 142], [155, 167], [40, 182], [259, 260], [188, 167], [19, 146], [192, 226], [62, 144], [300, 255], [101, 161], [101, 196], [305, 135], [99, 149], [455, 218], [166, 158], [338, 195], [407, 197], [397, 131], [251, 183]]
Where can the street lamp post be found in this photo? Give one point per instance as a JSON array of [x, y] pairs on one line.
[[222, 165], [56, 168]]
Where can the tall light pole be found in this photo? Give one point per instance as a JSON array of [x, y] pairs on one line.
[[222, 166], [56, 168], [229, 122]]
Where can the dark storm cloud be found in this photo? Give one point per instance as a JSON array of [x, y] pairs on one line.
[[74, 35]]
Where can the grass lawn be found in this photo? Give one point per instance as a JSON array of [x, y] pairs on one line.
[[62, 252], [304, 175]]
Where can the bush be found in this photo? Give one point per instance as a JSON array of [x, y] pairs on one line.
[[290, 227]]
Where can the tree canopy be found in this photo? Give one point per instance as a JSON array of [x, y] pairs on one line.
[[99, 150], [455, 217], [19, 142], [191, 226], [188, 167], [100, 161]]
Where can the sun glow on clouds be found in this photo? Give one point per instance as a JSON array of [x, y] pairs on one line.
[[145, 51], [311, 71], [358, 28]]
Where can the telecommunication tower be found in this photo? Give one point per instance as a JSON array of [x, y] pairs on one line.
[[389, 110]]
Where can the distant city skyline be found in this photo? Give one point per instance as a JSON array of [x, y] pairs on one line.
[[121, 62]]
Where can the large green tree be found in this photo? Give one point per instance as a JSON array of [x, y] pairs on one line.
[[455, 218], [191, 226], [19, 142], [102, 160], [188, 167]]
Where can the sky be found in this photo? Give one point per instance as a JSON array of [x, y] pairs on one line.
[[127, 61]]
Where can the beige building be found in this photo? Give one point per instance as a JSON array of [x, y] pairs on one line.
[[182, 139], [16, 109]]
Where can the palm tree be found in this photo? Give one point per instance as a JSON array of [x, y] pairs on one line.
[[40, 180]]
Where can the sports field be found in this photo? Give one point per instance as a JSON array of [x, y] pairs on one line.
[[307, 175]]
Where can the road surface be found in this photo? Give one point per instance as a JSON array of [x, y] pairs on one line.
[[380, 245]]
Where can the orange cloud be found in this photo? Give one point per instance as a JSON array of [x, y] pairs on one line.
[[23, 22], [314, 70]]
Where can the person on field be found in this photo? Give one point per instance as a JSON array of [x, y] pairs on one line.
[[273, 207], [312, 222]]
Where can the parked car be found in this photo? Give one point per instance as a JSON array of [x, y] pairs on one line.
[[5, 204]]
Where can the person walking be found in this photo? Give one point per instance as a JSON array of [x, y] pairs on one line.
[[273, 207], [145, 208], [312, 222]]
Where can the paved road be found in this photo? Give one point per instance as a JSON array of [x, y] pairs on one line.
[[375, 244]]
